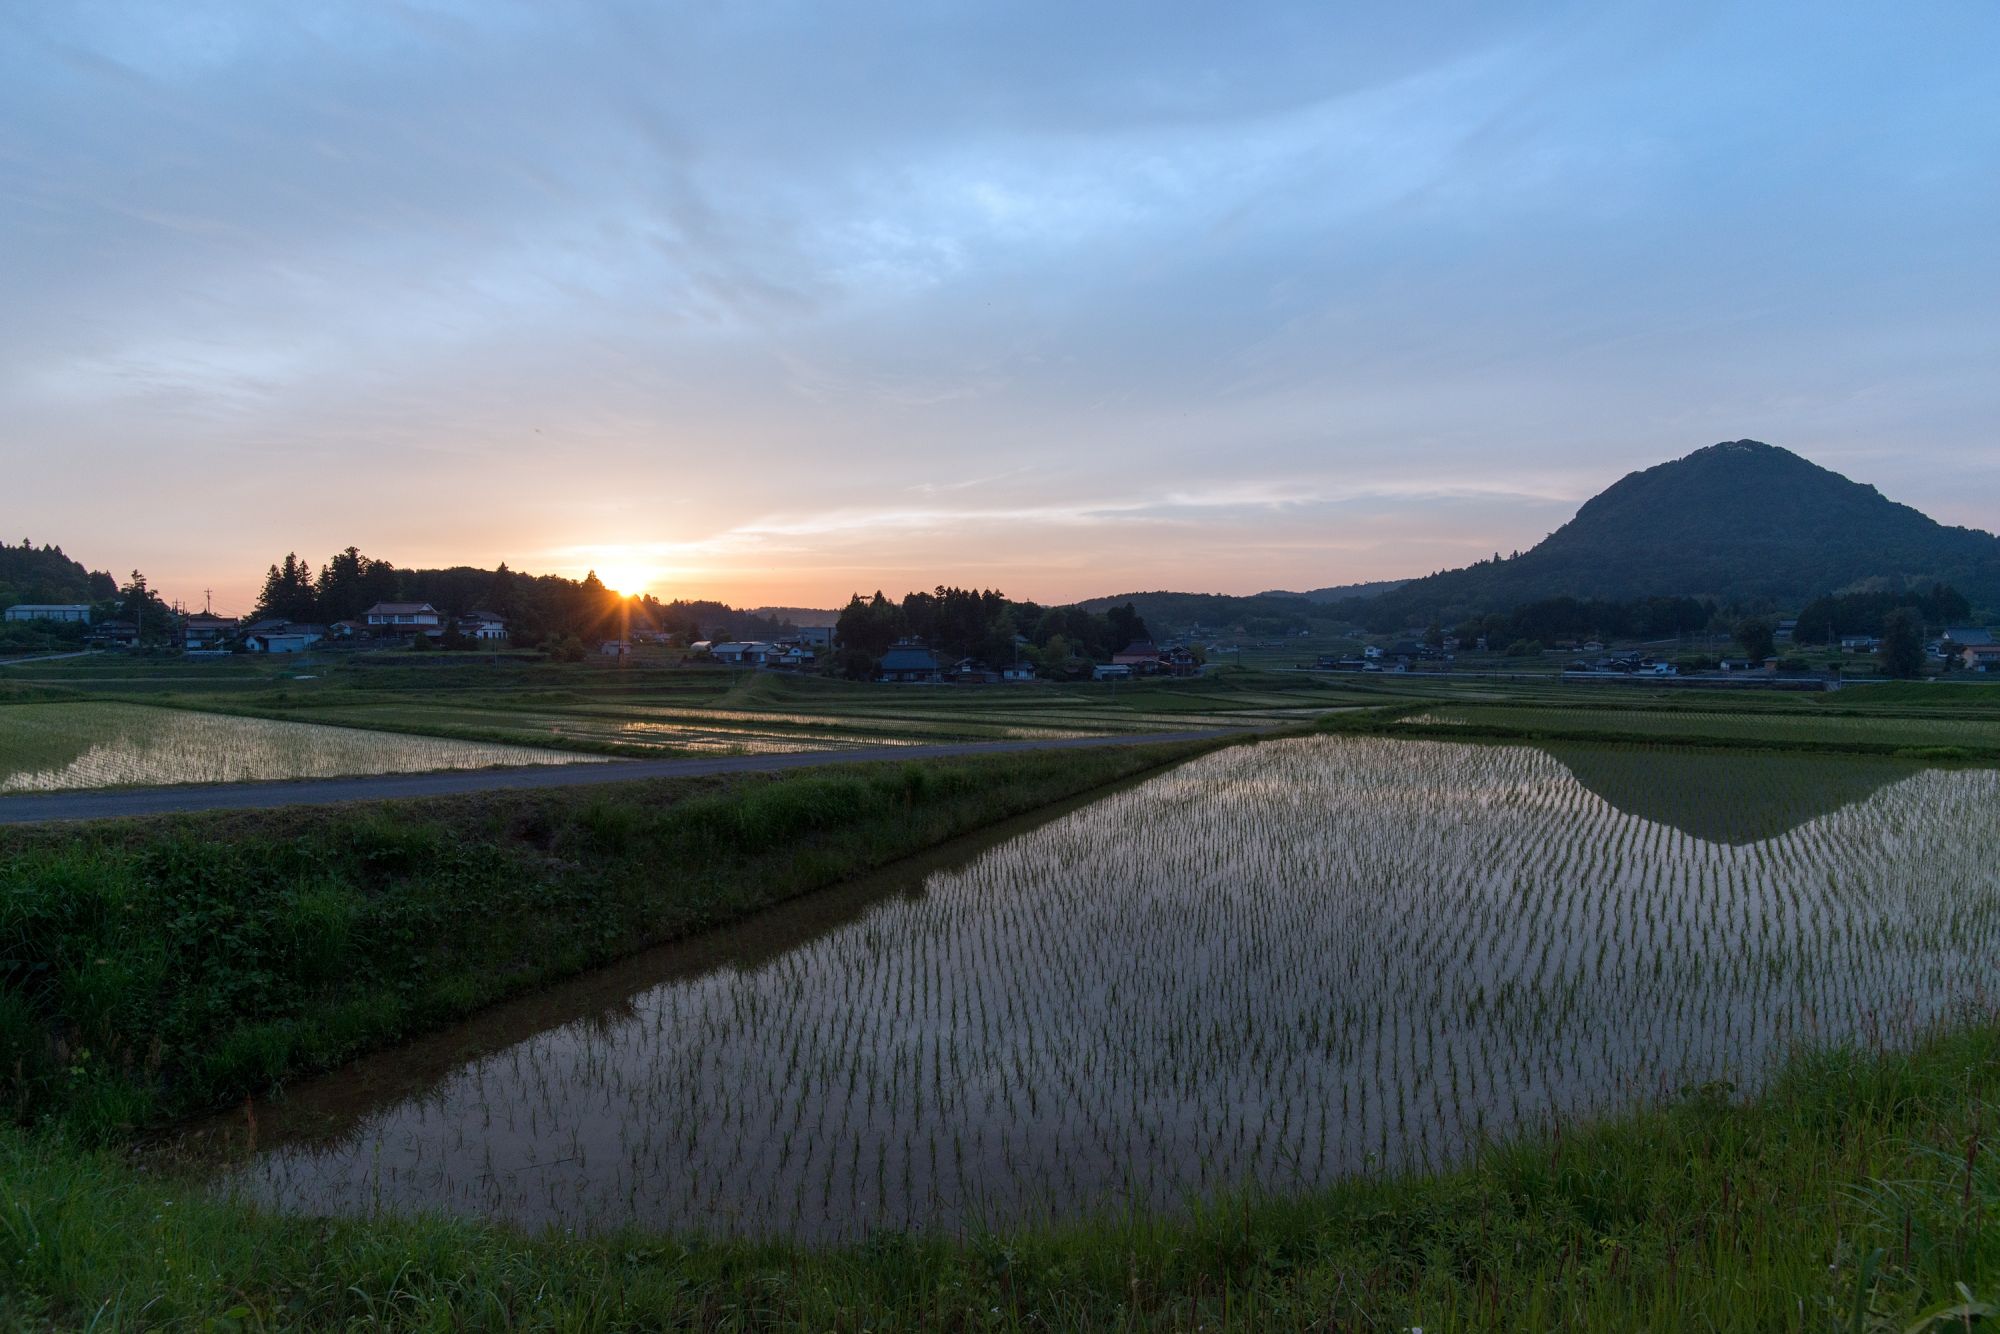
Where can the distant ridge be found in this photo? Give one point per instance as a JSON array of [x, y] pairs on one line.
[[1341, 592], [1740, 521]]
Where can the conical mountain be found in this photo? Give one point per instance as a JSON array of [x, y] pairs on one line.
[[1738, 520]]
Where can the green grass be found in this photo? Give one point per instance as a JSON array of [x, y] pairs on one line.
[[1856, 1194], [150, 969], [1774, 724], [1736, 724], [655, 710]]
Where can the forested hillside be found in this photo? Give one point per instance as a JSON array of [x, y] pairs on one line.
[[29, 573], [1740, 522]]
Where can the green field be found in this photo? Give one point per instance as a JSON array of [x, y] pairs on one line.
[[1818, 726], [662, 710]]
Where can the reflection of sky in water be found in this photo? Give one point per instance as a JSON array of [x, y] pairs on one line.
[[1273, 966], [50, 747]]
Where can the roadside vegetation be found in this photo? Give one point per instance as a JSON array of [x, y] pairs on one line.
[[151, 969]]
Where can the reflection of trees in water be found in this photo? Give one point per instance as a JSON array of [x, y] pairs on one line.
[[30, 748], [1735, 798], [326, 1108]]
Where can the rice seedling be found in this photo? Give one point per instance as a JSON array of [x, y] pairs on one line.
[[1271, 969]]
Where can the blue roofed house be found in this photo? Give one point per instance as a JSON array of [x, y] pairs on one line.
[[909, 662]]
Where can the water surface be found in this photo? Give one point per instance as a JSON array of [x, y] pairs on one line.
[[1272, 967], [54, 747]]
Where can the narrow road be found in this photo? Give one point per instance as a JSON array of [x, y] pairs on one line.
[[107, 805]]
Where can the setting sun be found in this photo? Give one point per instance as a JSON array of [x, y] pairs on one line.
[[628, 579]]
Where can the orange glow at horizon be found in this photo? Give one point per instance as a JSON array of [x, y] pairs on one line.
[[629, 580]]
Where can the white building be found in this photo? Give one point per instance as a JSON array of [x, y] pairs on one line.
[[406, 618], [77, 613], [482, 625]]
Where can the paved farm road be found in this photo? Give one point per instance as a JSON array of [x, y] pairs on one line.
[[105, 805]]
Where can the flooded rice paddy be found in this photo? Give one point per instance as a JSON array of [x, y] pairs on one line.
[[53, 747], [1268, 969]]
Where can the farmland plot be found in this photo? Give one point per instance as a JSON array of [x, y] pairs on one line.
[[1275, 966], [51, 747], [1744, 724]]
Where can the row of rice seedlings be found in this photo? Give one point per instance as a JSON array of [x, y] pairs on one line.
[[1271, 968], [52, 747]]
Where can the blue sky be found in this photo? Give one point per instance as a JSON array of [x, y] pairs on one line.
[[772, 302]]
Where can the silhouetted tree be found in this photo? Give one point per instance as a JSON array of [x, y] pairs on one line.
[[1902, 643], [1757, 638]]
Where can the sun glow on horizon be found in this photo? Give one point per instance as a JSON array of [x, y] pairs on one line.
[[628, 580]]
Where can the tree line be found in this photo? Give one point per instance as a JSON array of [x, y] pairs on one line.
[[1824, 620], [985, 625], [1550, 619], [539, 609]]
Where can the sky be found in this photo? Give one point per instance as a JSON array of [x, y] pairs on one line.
[[774, 302]]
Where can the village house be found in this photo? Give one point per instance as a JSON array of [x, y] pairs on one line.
[[909, 663], [483, 626], [206, 631], [970, 671], [1111, 671], [114, 634], [1859, 643], [743, 653], [282, 637], [1140, 655], [74, 613], [615, 648], [813, 636], [1019, 671], [404, 619], [1179, 662], [1964, 636], [1980, 657]]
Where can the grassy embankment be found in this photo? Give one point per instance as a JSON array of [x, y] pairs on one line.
[[150, 969], [1856, 1194]]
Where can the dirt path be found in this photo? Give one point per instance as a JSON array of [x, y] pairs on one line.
[[106, 805]]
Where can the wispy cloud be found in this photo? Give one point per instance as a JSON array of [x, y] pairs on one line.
[[1277, 295]]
